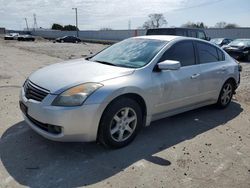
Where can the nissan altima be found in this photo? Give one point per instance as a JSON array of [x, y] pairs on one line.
[[110, 96]]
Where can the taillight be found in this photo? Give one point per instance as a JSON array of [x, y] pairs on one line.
[[239, 67]]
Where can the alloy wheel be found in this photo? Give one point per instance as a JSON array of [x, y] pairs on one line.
[[227, 93], [123, 124]]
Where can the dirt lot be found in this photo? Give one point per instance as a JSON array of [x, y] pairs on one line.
[[206, 147]]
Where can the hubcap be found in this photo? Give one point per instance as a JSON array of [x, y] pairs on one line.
[[123, 124], [226, 94]]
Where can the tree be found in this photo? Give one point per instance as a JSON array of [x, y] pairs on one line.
[[225, 25], [70, 28], [194, 25], [220, 25], [231, 26], [56, 26], [106, 29], [155, 21]]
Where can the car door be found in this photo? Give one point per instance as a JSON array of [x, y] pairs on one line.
[[67, 39], [178, 88], [212, 69]]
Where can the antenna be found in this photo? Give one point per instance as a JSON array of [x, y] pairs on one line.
[[129, 24]]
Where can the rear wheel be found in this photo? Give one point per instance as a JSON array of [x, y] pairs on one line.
[[226, 94], [120, 123]]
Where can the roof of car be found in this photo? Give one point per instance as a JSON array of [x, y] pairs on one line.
[[160, 37]]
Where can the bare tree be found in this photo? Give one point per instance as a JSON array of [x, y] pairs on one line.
[[220, 25], [155, 21], [225, 25]]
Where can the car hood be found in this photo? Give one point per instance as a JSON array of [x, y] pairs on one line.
[[233, 48], [58, 77]]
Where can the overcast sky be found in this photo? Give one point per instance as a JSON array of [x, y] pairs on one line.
[[96, 14]]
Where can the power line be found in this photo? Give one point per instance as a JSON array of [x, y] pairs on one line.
[[199, 5]]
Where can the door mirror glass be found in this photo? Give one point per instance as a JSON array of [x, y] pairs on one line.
[[169, 65]]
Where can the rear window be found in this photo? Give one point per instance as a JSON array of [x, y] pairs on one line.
[[207, 53]]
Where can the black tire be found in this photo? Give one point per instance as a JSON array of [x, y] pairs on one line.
[[224, 100], [108, 120]]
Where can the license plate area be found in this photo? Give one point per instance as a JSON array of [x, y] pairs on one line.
[[23, 107]]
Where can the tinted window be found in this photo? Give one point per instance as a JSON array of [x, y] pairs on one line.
[[201, 35], [192, 33], [221, 55], [182, 51], [181, 32], [160, 32], [207, 53]]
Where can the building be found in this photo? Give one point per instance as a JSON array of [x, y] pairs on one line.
[[2, 30]]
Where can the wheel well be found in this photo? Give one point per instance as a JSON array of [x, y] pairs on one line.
[[232, 80], [137, 98]]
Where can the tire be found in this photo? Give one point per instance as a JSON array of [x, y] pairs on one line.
[[226, 94], [120, 123]]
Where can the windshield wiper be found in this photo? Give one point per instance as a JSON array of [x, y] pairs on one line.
[[105, 62]]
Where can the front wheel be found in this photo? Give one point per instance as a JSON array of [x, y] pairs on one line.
[[120, 123], [226, 95]]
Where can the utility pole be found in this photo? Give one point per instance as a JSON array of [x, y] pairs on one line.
[[76, 21], [35, 23], [129, 24], [26, 24]]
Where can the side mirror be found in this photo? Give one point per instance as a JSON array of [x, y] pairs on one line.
[[169, 65]]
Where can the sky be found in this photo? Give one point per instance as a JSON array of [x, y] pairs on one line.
[[116, 14]]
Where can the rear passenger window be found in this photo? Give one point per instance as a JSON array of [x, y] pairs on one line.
[[182, 52], [221, 55], [207, 53]]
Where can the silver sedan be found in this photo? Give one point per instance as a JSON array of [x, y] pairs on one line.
[[110, 96]]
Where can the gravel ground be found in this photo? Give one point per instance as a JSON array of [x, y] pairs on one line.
[[206, 147]]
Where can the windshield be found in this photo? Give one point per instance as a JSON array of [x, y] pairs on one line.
[[240, 42], [133, 52], [217, 40]]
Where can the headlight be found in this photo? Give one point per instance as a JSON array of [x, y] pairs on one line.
[[75, 96]]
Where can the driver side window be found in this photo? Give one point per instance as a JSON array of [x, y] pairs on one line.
[[182, 52]]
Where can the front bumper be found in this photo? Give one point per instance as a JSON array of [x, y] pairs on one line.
[[76, 123]]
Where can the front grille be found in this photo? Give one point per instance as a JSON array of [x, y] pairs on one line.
[[53, 129], [35, 92]]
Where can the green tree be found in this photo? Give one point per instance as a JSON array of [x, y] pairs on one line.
[[56, 26], [70, 28], [231, 26]]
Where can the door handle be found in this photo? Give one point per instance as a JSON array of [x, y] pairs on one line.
[[194, 76]]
